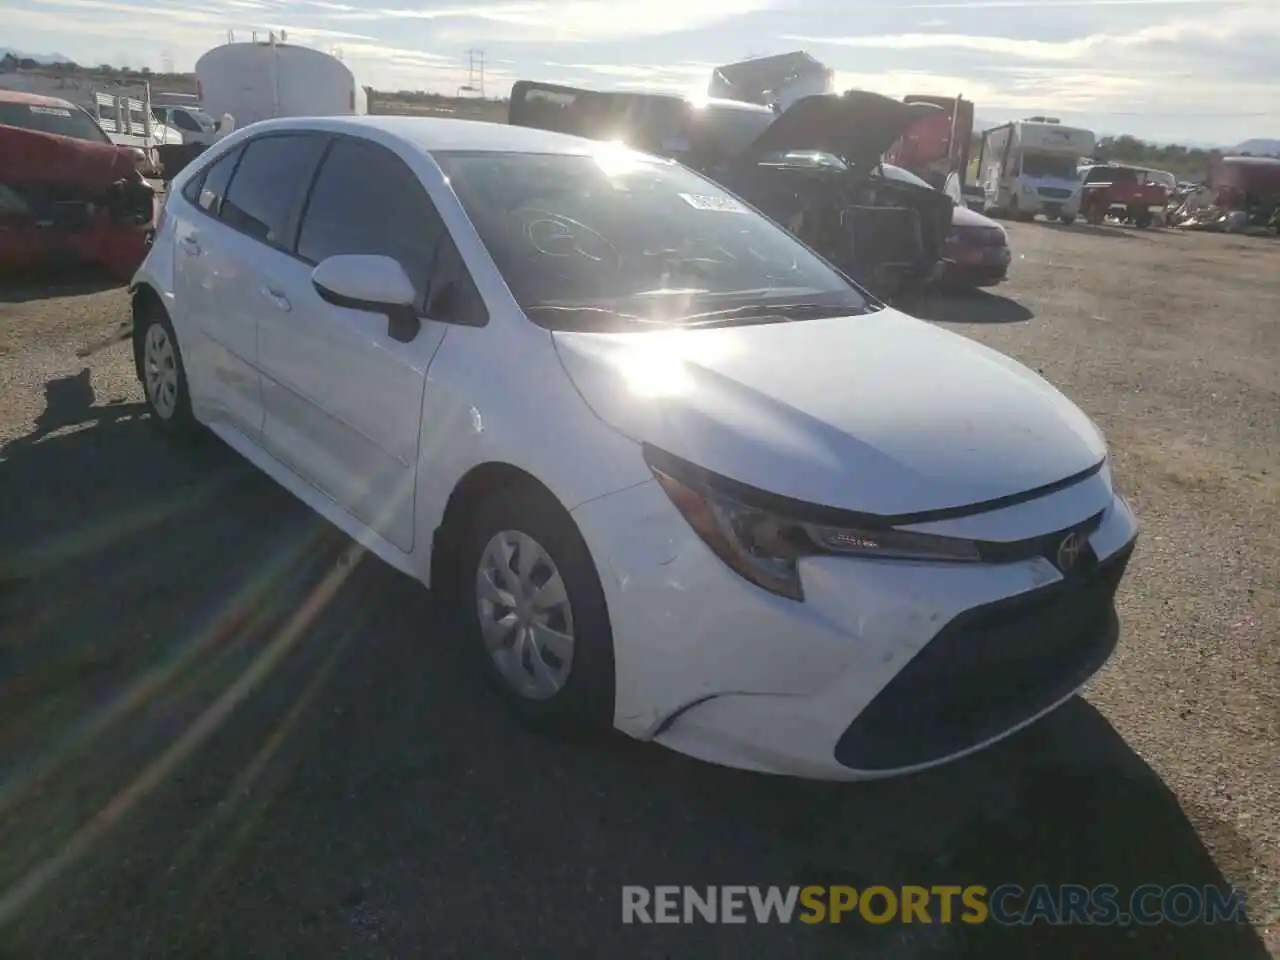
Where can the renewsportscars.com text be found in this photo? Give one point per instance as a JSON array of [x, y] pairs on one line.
[[1006, 905]]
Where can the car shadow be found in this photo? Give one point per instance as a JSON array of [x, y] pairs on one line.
[[1113, 231], [42, 284], [970, 306], [225, 733]]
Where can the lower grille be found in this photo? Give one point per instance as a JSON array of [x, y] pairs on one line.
[[990, 669], [1057, 192]]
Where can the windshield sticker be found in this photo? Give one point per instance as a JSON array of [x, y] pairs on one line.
[[701, 201], [51, 111]]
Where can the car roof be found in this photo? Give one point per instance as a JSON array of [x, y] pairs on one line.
[[432, 134], [34, 99]]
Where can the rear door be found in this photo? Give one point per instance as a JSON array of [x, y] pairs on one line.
[[343, 398], [219, 341], [248, 248]]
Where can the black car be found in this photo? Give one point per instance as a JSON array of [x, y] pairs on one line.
[[814, 168]]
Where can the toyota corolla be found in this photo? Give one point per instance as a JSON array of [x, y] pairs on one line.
[[684, 477]]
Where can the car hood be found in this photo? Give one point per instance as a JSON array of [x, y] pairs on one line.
[[856, 126], [880, 414], [36, 157], [964, 217]]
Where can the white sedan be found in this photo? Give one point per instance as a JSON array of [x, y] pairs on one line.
[[686, 479]]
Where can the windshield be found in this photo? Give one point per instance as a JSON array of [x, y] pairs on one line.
[[804, 158], [65, 121], [732, 129], [1049, 165], [621, 239], [891, 172]]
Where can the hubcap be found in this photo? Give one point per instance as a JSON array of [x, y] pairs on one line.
[[160, 365], [525, 617]]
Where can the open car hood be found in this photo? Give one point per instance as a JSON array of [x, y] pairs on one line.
[[856, 126], [32, 156]]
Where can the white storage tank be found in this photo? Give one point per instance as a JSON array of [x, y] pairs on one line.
[[260, 80]]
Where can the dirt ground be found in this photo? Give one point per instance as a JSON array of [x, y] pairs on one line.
[[221, 735]]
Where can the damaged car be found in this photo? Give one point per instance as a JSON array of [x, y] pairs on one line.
[[67, 193], [1242, 194], [815, 168]]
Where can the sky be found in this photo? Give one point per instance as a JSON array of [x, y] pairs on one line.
[[1188, 71]]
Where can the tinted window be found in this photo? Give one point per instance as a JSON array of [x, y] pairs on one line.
[[65, 121], [623, 237], [1049, 165], [207, 189], [891, 172], [268, 186], [183, 121], [365, 200]]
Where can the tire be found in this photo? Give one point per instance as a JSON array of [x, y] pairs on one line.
[[1068, 220], [163, 375], [573, 694]]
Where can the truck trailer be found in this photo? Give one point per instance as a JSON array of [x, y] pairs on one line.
[[260, 80]]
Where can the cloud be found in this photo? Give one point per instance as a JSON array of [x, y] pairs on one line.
[[552, 21], [1074, 4]]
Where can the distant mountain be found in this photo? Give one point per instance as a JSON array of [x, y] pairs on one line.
[[1259, 147], [37, 57]]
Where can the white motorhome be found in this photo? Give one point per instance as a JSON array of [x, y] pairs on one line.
[[1029, 167], [259, 80]]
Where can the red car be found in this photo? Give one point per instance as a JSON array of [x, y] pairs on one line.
[[976, 251], [67, 193]]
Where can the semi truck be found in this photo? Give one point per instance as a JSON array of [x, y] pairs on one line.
[[1030, 167], [937, 145]]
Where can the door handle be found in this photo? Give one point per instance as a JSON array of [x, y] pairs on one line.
[[278, 299], [190, 245]]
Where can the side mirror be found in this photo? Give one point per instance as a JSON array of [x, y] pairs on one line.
[[375, 284]]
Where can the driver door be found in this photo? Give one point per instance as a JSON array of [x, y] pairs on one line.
[[344, 398]]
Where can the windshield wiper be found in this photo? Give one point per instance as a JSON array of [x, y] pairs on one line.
[[772, 313], [568, 312]]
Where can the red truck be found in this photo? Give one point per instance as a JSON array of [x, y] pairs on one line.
[[1127, 194], [937, 145]]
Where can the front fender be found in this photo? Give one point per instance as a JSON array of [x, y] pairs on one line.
[[503, 398]]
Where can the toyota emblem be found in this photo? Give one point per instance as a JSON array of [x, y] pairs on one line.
[[1069, 551]]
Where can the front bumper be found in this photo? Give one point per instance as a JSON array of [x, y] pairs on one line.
[[97, 237], [976, 266], [887, 667]]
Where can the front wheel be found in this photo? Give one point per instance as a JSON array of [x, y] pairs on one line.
[[1068, 219], [539, 626], [163, 376]]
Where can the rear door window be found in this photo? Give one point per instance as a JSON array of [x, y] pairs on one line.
[[268, 186]]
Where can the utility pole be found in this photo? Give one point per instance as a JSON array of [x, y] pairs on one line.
[[475, 73]]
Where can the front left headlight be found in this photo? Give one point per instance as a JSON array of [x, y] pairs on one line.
[[764, 545]]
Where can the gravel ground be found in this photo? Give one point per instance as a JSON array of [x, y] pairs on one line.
[[224, 733]]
